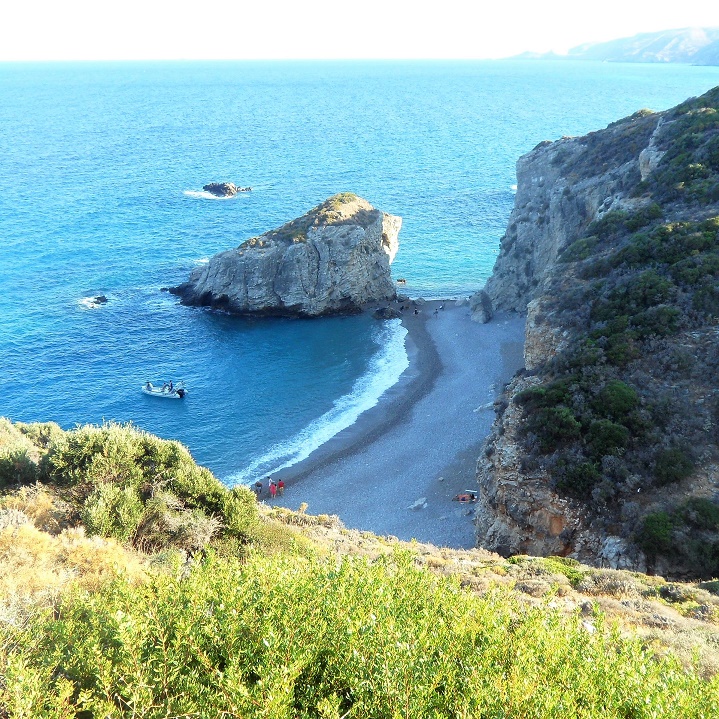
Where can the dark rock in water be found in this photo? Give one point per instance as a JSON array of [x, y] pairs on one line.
[[480, 305], [333, 260], [386, 313], [100, 300], [224, 189]]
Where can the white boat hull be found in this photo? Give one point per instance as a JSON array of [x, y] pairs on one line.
[[165, 393]]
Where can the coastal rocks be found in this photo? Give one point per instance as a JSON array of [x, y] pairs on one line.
[[651, 155], [583, 207], [542, 339], [517, 511], [333, 260], [386, 313], [224, 189], [562, 187], [480, 307]]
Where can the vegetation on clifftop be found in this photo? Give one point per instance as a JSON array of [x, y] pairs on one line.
[[117, 601], [627, 412]]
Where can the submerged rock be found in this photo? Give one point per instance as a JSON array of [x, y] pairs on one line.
[[333, 260]]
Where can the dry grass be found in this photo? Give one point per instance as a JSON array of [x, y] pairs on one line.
[[35, 566], [45, 510]]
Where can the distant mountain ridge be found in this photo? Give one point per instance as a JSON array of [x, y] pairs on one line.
[[694, 46]]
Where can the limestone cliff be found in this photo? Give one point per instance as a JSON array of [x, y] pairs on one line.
[[335, 259], [604, 448], [562, 186]]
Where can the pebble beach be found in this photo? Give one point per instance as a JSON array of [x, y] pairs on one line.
[[395, 471]]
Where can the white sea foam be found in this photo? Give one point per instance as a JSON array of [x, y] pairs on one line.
[[514, 188], [90, 303], [385, 368], [202, 261], [203, 195]]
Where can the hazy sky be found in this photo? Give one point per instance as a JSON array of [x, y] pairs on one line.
[[259, 29]]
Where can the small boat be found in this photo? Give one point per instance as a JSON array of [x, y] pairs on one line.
[[168, 390]]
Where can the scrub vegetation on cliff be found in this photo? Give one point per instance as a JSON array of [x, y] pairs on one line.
[[132, 583], [624, 417]]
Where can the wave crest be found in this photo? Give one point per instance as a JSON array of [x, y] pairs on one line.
[[385, 368]]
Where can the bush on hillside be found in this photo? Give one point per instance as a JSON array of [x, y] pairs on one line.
[[672, 465], [112, 511], [115, 475], [285, 637]]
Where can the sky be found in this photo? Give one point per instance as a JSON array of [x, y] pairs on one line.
[[327, 29]]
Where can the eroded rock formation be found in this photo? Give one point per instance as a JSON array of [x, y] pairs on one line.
[[605, 448], [333, 260]]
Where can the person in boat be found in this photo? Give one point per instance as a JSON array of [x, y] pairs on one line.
[[148, 386], [170, 386]]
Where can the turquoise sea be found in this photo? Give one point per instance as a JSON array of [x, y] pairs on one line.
[[101, 170]]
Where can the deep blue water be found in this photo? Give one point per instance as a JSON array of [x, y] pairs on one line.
[[100, 168]]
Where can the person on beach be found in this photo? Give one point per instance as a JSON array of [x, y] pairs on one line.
[[273, 490], [281, 487], [258, 488]]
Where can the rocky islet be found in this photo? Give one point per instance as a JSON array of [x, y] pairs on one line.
[[333, 260]]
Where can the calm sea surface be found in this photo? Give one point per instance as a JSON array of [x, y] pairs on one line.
[[101, 170]]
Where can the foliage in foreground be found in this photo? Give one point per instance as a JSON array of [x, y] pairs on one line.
[[276, 638], [123, 483]]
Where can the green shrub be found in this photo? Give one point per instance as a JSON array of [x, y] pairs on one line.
[[617, 399], [112, 511], [580, 249], [292, 637], [701, 513], [555, 426], [643, 217], [655, 535], [18, 456], [606, 437], [672, 465], [239, 512], [578, 479]]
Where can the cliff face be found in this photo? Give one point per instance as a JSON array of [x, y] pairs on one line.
[[604, 449], [562, 186], [334, 259]]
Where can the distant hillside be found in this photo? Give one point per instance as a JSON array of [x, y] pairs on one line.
[[695, 46]]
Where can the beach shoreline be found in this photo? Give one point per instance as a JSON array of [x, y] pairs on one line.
[[395, 470]]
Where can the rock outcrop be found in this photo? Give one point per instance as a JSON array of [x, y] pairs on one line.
[[224, 189], [562, 186], [480, 307], [612, 249], [333, 260]]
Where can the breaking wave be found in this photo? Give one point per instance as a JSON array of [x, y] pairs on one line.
[[384, 370]]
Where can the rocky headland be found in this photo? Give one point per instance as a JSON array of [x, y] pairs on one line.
[[691, 45], [604, 447], [335, 259]]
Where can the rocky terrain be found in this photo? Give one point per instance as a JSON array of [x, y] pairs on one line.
[[224, 189], [604, 448], [333, 260]]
